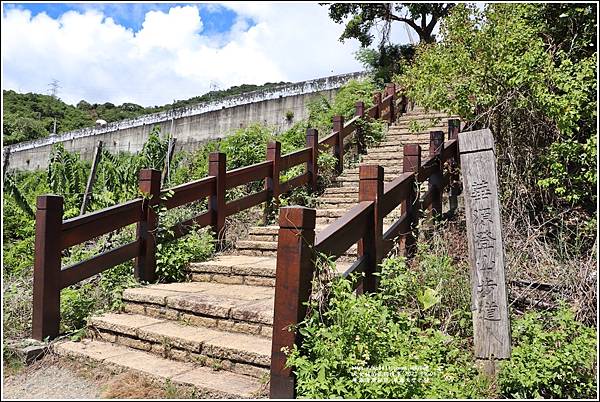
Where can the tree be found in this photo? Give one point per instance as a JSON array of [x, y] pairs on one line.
[[364, 16], [528, 72]]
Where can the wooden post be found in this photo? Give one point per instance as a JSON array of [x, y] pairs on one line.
[[338, 126], [312, 141], [46, 268], [411, 163], [361, 146], [377, 102], [272, 183], [91, 178], [5, 159], [370, 188], [145, 265], [486, 251], [453, 130], [293, 279], [404, 104], [390, 89], [217, 166], [167, 168], [436, 147]]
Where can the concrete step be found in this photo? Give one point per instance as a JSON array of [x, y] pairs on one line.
[[346, 182], [342, 190], [437, 119], [209, 382], [256, 248], [237, 269], [252, 248], [234, 268], [401, 141], [345, 204], [391, 168], [235, 352], [423, 129], [331, 213], [355, 178], [422, 114], [235, 308]]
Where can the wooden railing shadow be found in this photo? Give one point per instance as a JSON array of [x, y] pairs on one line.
[[53, 234], [298, 245]]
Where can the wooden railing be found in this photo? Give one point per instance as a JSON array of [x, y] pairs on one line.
[[298, 245], [53, 235]]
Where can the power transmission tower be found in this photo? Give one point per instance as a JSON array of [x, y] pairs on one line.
[[53, 93], [54, 87]]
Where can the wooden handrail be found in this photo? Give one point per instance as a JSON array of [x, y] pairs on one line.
[[295, 158], [297, 246], [248, 174], [190, 192], [345, 231], [54, 235], [80, 229]]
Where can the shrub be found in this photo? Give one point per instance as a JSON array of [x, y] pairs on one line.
[[357, 337], [553, 356], [527, 72], [321, 111], [173, 256]]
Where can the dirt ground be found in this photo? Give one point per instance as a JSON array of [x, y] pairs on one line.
[[48, 379], [56, 378]]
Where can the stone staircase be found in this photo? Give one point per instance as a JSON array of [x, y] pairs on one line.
[[214, 333]]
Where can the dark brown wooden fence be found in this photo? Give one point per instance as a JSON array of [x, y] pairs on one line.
[[363, 224], [53, 235]]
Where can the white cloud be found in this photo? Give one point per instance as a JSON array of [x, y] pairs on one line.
[[169, 58]]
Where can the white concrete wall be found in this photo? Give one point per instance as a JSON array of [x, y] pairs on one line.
[[192, 126]]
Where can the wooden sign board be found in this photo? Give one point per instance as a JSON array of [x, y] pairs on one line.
[[486, 250]]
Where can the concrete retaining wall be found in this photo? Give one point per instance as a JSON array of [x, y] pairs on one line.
[[192, 126]]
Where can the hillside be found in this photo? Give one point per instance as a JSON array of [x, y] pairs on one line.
[[30, 116]]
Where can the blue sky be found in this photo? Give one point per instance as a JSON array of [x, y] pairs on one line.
[[155, 53], [217, 18]]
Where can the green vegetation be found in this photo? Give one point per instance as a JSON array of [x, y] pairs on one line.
[[554, 357], [413, 339], [116, 182], [527, 71], [370, 346], [31, 116]]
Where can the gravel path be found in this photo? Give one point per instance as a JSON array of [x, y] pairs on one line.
[[48, 382]]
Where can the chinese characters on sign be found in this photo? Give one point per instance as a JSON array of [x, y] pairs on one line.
[[485, 250], [491, 325]]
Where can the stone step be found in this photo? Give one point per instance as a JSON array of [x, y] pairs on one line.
[[332, 213], [264, 248], [256, 248], [423, 130], [235, 308], [235, 352], [342, 190], [392, 168], [228, 267], [349, 179], [210, 383], [420, 114], [387, 222], [423, 118], [333, 198], [329, 205], [400, 141], [381, 155], [237, 269]]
